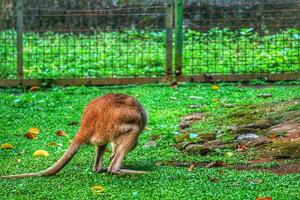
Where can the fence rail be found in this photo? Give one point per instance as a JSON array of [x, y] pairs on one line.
[[97, 42]]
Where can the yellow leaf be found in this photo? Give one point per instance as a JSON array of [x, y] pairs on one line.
[[34, 130], [6, 146], [41, 153], [215, 87], [97, 189]]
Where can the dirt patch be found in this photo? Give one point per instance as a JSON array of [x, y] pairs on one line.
[[188, 120], [263, 133], [290, 131], [280, 170]]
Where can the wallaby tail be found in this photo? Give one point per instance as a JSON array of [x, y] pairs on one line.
[[68, 155]]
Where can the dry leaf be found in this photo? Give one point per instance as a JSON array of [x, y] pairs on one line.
[[241, 147], [34, 130], [30, 135], [41, 153], [97, 189], [215, 87], [73, 123], [6, 146], [263, 198], [219, 163], [34, 88], [61, 133], [191, 167], [52, 143], [213, 179]]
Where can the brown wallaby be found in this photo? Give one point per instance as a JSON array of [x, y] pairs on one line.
[[113, 118]]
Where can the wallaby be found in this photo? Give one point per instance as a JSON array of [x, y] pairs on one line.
[[113, 118]]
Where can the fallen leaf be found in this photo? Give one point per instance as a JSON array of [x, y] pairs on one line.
[[22, 152], [6, 146], [61, 133], [215, 87], [219, 163], [34, 88], [191, 167], [149, 144], [158, 163], [34, 130], [213, 179], [263, 198], [256, 181], [97, 189], [30, 135], [59, 144], [52, 144], [173, 85], [195, 97], [41, 153], [194, 106], [229, 154], [241, 147], [19, 160], [73, 123], [148, 128]]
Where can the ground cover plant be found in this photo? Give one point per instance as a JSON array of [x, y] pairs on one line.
[[132, 53], [175, 172]]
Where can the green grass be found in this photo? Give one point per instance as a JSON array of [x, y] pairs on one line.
[[52, 109], [133, 53]]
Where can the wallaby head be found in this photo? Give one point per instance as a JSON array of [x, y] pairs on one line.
[[113, 118]]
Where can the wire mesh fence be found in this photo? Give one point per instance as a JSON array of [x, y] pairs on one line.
[[8, 44], [147, 40], [241, 37], [100, 42]]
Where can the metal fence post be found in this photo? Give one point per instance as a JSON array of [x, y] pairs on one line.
[[169, 40], [178, 39], [20, 40]]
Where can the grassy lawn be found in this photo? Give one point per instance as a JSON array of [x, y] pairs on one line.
[[132, 53], [53, 109]]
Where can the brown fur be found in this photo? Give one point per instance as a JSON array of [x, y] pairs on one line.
[[112, 118]]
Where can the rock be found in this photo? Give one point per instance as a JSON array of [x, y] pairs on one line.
[[247, 136], [251, 140], [188, 120], [197, 149]]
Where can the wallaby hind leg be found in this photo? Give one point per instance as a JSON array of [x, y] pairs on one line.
[[123, 146], [113, 150], [99, 158]]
